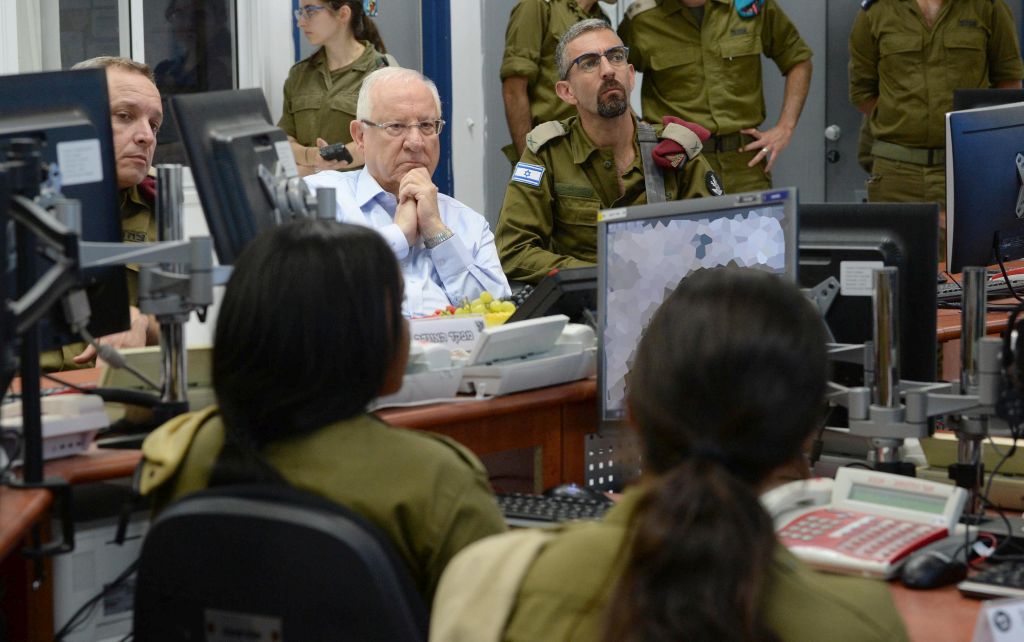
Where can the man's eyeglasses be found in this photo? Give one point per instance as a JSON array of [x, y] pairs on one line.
[[425, 127], [589, 62], [308, 12]]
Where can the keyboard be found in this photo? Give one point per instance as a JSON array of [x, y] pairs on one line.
[[1005, 579], [995, 288], [540, 511]]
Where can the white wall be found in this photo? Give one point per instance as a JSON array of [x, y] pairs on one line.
[[469, 121]]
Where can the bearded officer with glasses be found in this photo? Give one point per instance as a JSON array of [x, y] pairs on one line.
[[603, 157], [445, 249]]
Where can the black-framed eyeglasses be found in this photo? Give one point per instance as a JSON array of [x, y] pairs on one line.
[[425, 127], [589, 62], [308, 12]]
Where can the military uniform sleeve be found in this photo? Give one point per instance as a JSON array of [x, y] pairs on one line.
[[863, 60], [1003, 50], [287, 121], [523, 37], [474, 513], [525, 226], [694, 179], [781, 40]]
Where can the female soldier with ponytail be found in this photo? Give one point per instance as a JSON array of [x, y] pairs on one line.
[[321, 90], [728, 385]]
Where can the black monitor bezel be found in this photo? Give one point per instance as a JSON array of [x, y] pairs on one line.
[[906, 237], [207, 124], [44, 106], [975, 170]]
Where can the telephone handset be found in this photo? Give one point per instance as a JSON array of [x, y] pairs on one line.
[[864, 522], [798, 495]]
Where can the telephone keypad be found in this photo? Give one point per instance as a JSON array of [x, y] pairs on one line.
[[860, 535]]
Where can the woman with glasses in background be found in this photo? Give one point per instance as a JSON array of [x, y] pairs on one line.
[[321, 90]]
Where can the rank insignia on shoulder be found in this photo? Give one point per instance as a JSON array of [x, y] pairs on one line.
[[713, 183], [527, 173]]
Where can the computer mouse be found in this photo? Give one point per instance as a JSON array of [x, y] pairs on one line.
[[932, 569], [573, 491]]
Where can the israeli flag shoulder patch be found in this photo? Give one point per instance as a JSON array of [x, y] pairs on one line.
[[527, 173]]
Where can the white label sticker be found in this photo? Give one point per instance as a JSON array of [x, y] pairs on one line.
[[454, 331], [286, 157], [855, 277], [79, 161], [1000, 621], [229, 626], [612, 214]]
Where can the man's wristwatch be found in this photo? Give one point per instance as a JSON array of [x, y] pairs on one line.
[[437, 239]]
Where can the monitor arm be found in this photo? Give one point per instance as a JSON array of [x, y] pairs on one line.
[[887, 410]]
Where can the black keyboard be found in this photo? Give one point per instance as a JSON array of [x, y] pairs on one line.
[[1005, 579], [995, 288], [540, 510]]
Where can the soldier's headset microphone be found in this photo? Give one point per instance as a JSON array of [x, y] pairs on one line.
[[1011, 398]]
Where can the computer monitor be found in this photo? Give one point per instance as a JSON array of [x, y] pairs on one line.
[[68, 113], [643, 253], [974, 98], [850, 240], [568, 291], [233, 149], [984, 190]]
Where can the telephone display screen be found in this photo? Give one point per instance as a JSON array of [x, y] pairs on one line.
[[879, 496]]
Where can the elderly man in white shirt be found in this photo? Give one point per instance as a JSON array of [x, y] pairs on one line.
[[446, 250]]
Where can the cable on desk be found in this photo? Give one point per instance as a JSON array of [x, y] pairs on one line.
[[1015, 433], [15, 453], [67, 384], [1006, 278], [85, 610]]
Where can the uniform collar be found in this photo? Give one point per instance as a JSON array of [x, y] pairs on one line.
[[366, 61], [668, 7], [130, 195], [595, 11], [581, 145], [622, 512]]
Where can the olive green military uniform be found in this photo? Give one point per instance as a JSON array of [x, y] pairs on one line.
[[564, 594], [427, 493], [321, 103], [554, 223], [710, 73], [534, 29], [912, 70], [138, 225]]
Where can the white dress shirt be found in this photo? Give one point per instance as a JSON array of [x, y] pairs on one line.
[[461, 267]]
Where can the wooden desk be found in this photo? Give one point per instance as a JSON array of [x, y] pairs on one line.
[[936, 615], [555, 419]]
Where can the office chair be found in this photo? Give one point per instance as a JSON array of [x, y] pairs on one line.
[[267, 562]]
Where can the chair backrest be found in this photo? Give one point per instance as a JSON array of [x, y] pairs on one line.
[[263, 562]]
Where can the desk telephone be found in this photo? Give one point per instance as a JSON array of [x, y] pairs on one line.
[[864, 522], [504, 359]]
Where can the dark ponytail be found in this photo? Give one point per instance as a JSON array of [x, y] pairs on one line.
[[728, 383], [699, 551], [363, 27]]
